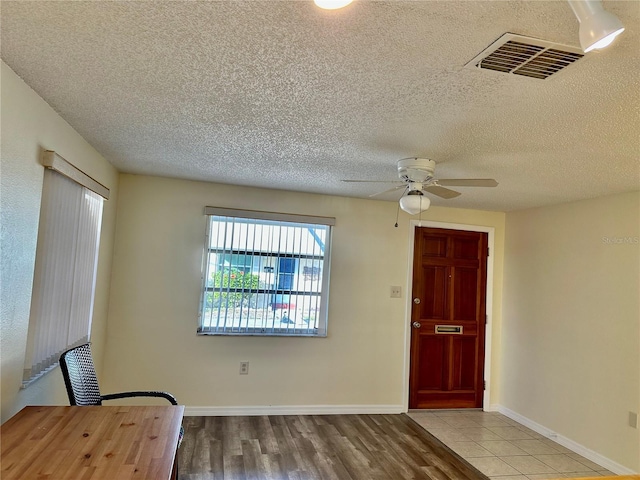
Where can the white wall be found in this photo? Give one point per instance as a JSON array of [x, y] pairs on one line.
[[155, 290], [571, 337], [30, 126]]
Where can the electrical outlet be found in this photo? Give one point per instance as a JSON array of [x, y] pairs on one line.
[[396, 291], [633, 420], [244, 368]]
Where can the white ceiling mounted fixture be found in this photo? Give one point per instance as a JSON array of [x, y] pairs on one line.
[[332, 4], [525, 56], [414, 202], [598, 28]]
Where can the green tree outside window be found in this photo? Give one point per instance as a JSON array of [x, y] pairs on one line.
[[231, 278]]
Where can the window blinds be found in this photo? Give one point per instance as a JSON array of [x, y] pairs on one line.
[[265, 274], [65, 271]]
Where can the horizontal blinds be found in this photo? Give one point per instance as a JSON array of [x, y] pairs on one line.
[[65, 272]]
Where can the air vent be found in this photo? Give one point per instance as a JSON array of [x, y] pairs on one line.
[[526, 56]]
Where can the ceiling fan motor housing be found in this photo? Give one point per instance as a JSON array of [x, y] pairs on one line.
[[418, 170]]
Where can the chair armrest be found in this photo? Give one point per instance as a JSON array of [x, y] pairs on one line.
[[165, 395]]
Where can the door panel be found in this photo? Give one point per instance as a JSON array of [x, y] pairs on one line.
[[435, 246], [450, 283], [464, 352], [435, 306], [435, 350], [464, 299], [465, 248]]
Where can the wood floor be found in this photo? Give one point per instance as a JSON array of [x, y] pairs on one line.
[[316, 447]]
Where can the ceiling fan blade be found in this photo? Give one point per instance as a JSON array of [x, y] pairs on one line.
[[468, 182], [372, 181], [442, 192], [387, 191]]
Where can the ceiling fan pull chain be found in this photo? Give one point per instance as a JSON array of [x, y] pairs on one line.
[[397, 215]]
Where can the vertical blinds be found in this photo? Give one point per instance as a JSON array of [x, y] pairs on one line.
[[65, 272], [265, 274]]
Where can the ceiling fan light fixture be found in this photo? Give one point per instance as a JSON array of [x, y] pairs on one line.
[[598, 28], [332, 4], [414, 202]]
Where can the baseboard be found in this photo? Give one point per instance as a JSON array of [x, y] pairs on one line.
[[566, 442], [292, 410]]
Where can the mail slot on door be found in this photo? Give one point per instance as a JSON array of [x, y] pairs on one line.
[[455, 329]]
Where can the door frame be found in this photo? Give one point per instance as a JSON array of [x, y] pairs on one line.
[[490, 231]]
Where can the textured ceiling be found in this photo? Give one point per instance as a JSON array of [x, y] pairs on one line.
[[281, 94]]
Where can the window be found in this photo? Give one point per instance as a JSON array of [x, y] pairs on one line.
[[65, 267], [265, 274]]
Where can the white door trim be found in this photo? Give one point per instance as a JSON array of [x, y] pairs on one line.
[[489, 301]]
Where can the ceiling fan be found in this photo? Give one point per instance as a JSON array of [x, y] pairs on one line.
[[417, 178]]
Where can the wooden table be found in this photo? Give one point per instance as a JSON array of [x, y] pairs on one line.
[[91, 443]]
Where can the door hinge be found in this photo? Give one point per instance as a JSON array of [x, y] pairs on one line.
[[488, 252], [484, 385], [486, 319]]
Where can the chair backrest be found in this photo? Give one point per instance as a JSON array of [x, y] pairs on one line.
[[80, 376]]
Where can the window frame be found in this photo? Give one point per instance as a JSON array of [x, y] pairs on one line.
[[293, 220]]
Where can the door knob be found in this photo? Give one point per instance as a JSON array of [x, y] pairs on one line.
[[416, 301], [417, 324]]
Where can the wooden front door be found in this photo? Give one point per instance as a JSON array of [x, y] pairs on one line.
[[448, 318]]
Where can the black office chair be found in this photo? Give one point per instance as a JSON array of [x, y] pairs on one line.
[[82, 383]]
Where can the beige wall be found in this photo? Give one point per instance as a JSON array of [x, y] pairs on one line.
[[570, 356], [29, 126], [155, 290]]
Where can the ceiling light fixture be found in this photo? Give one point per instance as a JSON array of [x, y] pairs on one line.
[[598, 28], [332, 4], [414, 202]]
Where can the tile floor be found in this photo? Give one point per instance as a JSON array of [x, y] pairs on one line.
[[503, 449]]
